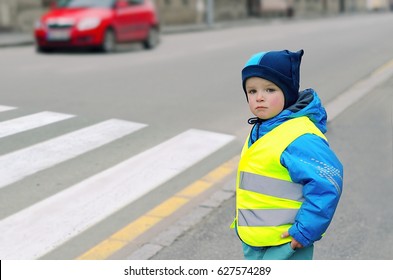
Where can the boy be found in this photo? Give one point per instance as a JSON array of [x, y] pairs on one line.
[[289, 181]]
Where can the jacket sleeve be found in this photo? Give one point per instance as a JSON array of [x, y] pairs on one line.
[[312, 163]]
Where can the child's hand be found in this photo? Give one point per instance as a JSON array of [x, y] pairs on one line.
[[294, 243]]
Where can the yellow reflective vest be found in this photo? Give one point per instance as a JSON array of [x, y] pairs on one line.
[[267, 200]]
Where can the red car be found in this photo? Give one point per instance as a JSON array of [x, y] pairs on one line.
[[97, 23]]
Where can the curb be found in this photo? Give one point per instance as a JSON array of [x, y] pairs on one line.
[[11, 39], [170, 235], [15, 39]]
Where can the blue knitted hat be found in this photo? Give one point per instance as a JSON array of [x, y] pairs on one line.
[[280, 67]]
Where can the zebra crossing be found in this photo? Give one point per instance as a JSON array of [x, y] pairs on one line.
[[40, 228], [21, 163]]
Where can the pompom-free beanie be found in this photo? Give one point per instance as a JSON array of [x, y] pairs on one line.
[[280, 67]]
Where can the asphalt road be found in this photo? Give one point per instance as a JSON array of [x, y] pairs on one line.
[[191, 81]]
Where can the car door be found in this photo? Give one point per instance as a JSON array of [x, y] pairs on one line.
[[139, 19], [130, 20]]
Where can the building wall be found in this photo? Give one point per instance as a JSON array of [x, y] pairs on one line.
[[230, 9], [307, 7], [195, 11], [19, 14], [315, 7], [180, 11]]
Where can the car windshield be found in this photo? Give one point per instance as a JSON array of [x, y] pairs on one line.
[[86, 3]]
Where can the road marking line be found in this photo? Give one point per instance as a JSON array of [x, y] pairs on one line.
[[117, 241], [25, 123], [6, 108], [64, 215], [358, 90], [22, 163], [126, 235]]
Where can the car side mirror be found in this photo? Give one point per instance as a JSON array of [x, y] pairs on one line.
[[121, 4]]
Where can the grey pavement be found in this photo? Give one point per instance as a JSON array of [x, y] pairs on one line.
[[187, 237], [17, 38], [12, 39]]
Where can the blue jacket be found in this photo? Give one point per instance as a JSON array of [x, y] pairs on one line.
[[310, 162]]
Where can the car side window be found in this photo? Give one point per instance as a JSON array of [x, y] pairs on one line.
[[135, 2]]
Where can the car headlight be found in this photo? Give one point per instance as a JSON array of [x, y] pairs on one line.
[[88, 23]]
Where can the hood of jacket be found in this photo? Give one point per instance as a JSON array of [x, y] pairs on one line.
[[308, 104]]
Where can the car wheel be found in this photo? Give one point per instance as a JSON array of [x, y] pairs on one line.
[[109, 41], [153, 38]]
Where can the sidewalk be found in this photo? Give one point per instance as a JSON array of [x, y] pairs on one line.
[[12, 39]]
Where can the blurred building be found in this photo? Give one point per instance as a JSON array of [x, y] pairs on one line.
[[21, 14], [196, 11]]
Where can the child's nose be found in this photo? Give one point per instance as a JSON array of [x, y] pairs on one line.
[[260, 96]]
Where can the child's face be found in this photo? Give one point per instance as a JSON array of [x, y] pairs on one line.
[[265, 99]]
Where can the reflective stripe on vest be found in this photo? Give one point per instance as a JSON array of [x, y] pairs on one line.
[[270, 186], [267, 201], [266, 217]]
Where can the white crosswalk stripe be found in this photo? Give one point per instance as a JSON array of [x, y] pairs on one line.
[[19, 164], [6, 108], [25, 123], [42, 227]]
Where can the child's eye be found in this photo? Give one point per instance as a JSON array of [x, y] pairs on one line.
[[251, 91], [270, 90]]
